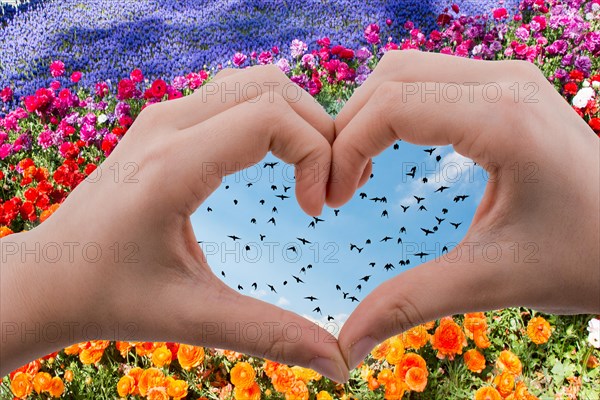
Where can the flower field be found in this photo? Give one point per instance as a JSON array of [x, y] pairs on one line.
[[64, 111]]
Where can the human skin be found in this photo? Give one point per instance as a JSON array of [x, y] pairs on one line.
[[156, 285], [169, 293], [540, 207]]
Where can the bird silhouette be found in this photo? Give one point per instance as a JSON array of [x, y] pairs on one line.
[[430, 151], [404, 208], [365, 278], [419, 199], [427, 231], [421, 255], [385, 239], [311, 298], [441, 189], [282, 196], [233, 237], [330, 318], [272, 288], [298, 280], [455, 224], [336, 212], [272, 221], [270, 164], [317, 309], [303, 241]]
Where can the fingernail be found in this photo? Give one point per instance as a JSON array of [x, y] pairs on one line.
[[328, 368], [359, 350]]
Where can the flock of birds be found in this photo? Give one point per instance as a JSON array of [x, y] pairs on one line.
[[281, 193]]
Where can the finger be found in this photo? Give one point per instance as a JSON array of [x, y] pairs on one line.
[[226, 72], [233, 88], [251, 326], [398, 111], [417, 66], [439, 288], [241, 136]]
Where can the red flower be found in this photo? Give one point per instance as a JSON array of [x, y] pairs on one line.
[[455, 8], [126, 89], [27, 211], [570, 88], [136, 75], [75, 76], [576, 75], [500, 13], [443, 19], [595, 124], [31, 194], [6, 94], [159, 88], [347, 54]]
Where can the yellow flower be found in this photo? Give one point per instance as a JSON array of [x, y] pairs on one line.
[[538, 330], [323, 395], [395, 350], [242, 375], [381, 350], [161, 356], [306, 374]]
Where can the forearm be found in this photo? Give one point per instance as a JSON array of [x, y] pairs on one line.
[[39, 301]]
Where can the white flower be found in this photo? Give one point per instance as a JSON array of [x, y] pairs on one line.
[[583, 96], [586, 84], [594, 329], [596, 84], [102, 118]]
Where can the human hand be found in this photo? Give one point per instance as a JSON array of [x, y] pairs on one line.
[[540, 207], [151, 271]]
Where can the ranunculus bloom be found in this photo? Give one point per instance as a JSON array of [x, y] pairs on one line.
[[21, 385], [510, 362], [126, 386], [42, 382], [6, 94], [416, 379], [161, 356], [57, 68], [282, 378], [538, 330], [57, 387], [487, 393], [448, 339], [159, 88], [177, 388], [239, 59], [75, 76], [505, 383], [500, 13], [242, 375], [136, 75], [474, 360], [416, 337], [149, 379], [190, 356]]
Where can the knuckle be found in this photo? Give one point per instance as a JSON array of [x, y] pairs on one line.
[[385, 95]]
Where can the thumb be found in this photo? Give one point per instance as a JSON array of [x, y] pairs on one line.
[[459, 282]]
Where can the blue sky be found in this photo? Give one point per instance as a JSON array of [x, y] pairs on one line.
[[271, 261]]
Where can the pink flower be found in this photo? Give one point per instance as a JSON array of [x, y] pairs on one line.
[[388, 22], [239, 59], [75, 76], [372, 34], [101, 89], [297, 48], [500, 13], [126, 89], [136, 75], [6, 94], [57, 68], [265, 58]]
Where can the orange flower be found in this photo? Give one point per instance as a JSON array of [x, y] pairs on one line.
[[298, 391], [176, 388], [150, 378], [5, 231], [123, 348], [372, 384], [394, 390], [242, 375], [416, 337], [42, 382], [270, 367], [161, 356], [136, 374], [509, 361], [92, 351], [538, 330], [505, 383], [429, 325], [126, 386], [68, 375], [323, 395], [395, 350], [381, 350], [48, 212], [475, 325], [250, 393], [487, 393], [72, 350], [521, 391], [190, 356], [474, 360], [448, 339], [306, 374], [385, 376], [57, 387], [283, 378], [21, 385], [410, 360], [158, 393], [416, 379]]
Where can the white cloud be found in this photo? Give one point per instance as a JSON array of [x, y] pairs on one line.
[[283, 301]]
